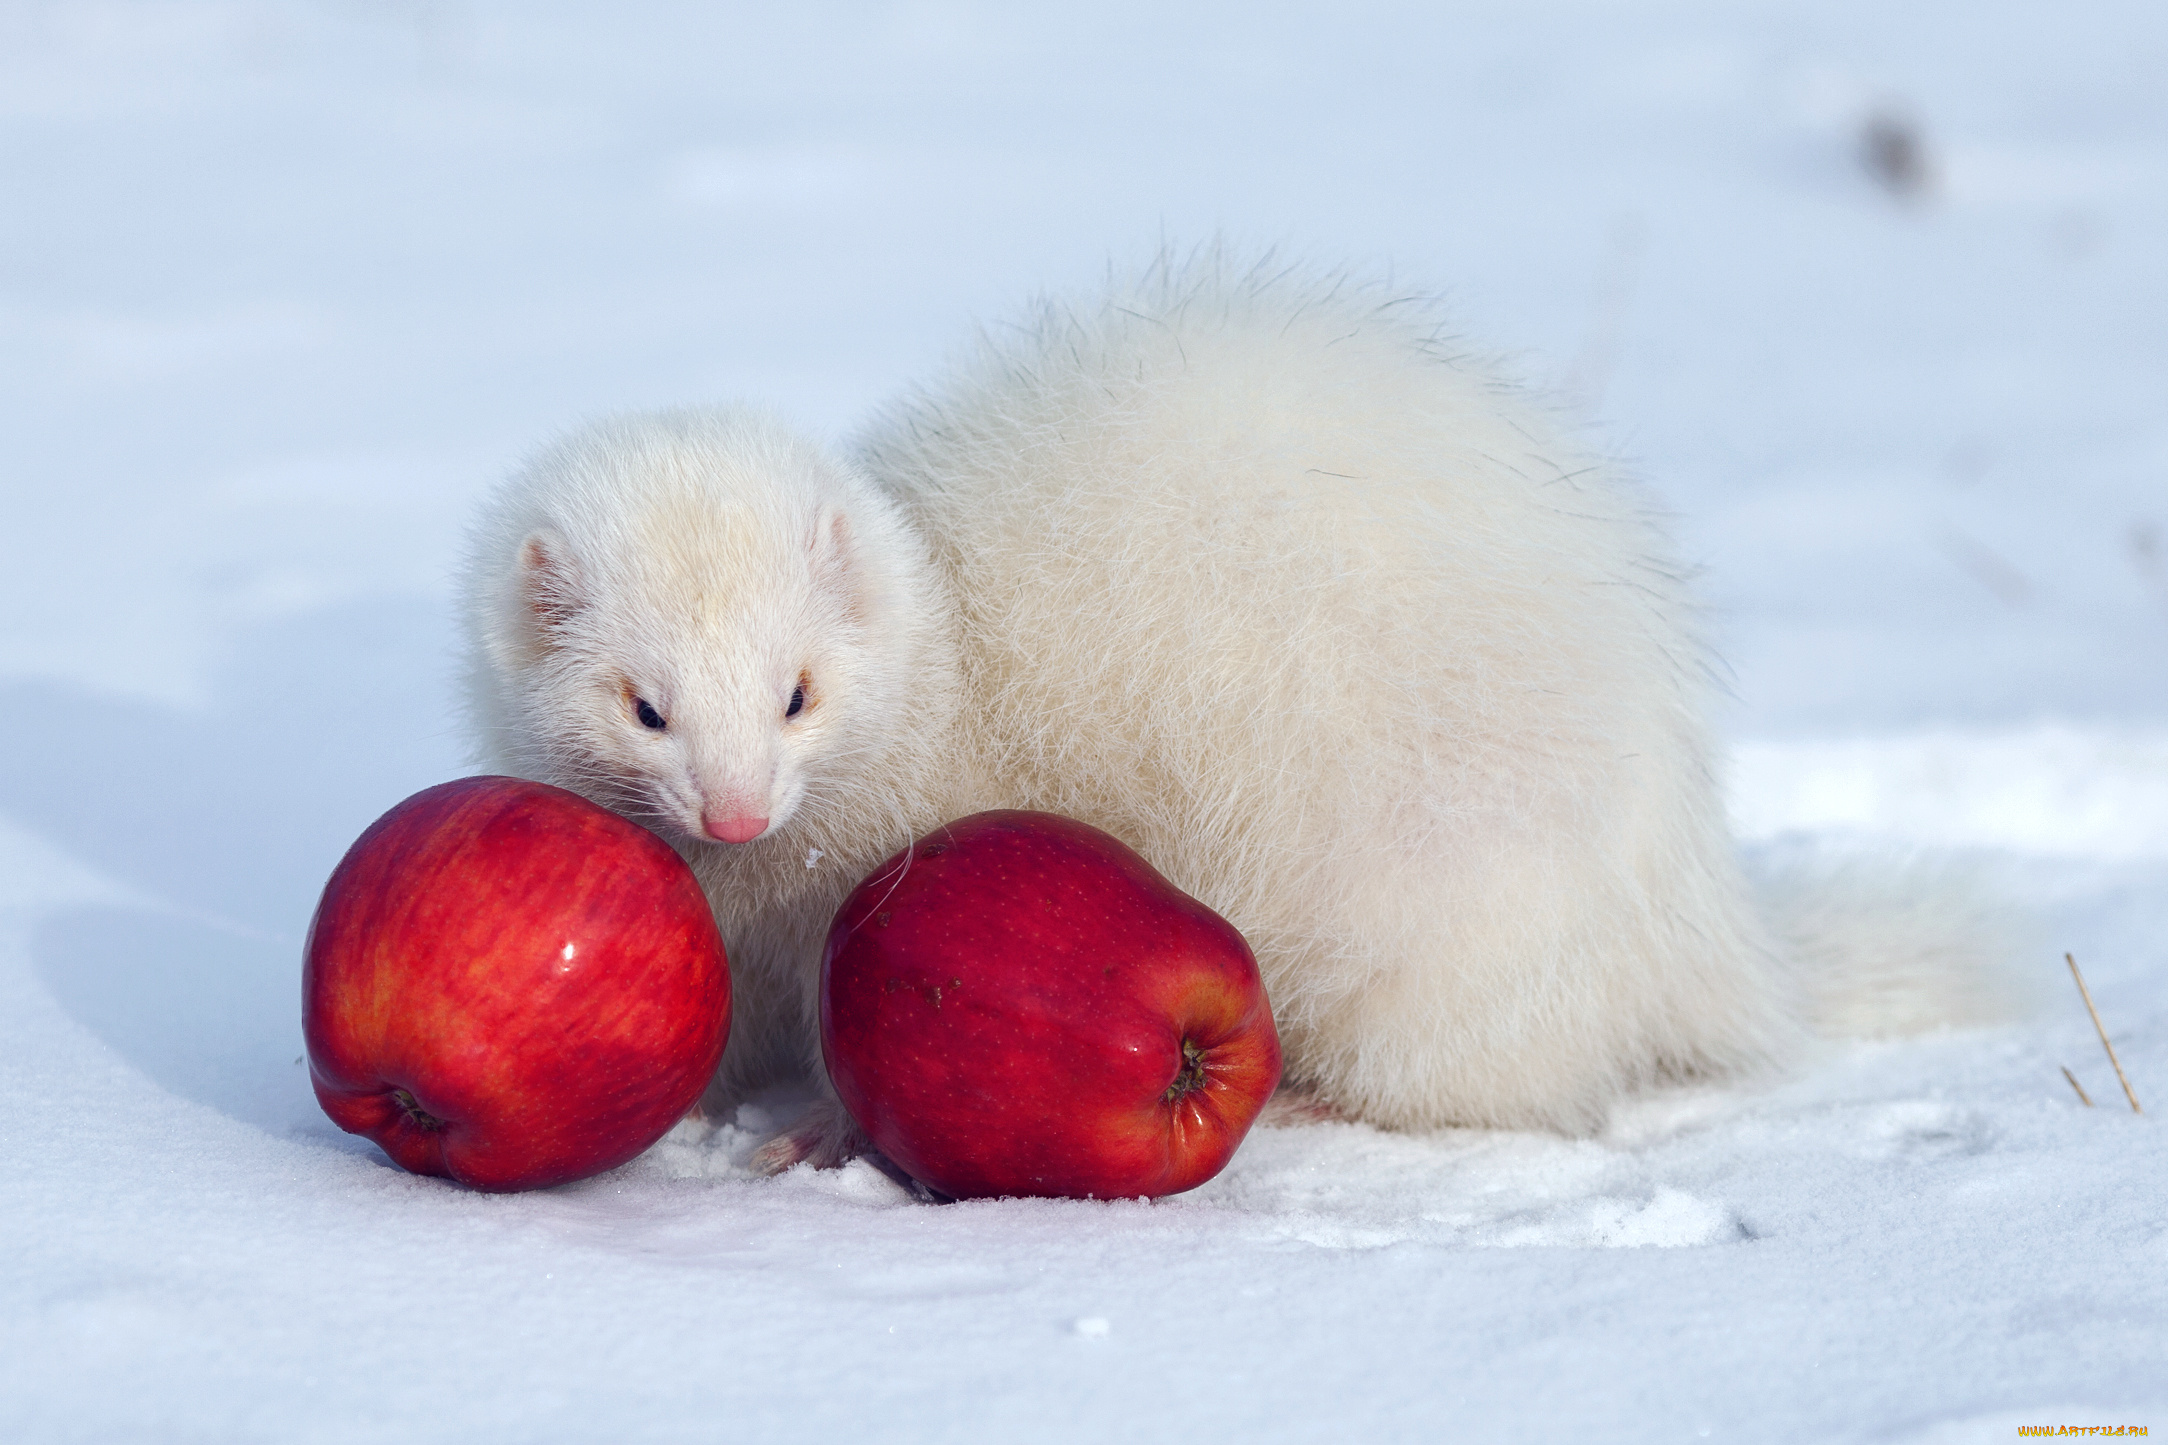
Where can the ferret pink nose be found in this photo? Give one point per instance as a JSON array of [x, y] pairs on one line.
[[732, 830]]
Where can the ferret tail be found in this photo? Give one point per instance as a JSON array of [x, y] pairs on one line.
[[1887, 948]]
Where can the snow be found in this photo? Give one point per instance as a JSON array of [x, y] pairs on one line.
[[286, 285], [2049, 790]]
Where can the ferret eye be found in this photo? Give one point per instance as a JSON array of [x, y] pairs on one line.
[[649, 718], [797, 701]]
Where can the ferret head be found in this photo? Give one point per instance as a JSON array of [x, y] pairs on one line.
[[684, 617]]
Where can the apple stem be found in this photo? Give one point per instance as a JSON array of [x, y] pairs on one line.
[[1191, 1077], [419, 1117]]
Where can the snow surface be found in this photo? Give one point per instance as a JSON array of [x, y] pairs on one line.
[[285, 285]]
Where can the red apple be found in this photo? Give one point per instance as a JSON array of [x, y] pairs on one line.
[[1019, 1004], [512, 987]]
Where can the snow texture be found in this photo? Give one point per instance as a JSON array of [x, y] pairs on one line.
[[286, 286]]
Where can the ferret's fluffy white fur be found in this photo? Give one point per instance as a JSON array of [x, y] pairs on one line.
[[1343, 633]]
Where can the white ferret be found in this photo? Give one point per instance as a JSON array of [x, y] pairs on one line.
[[1334, 626]]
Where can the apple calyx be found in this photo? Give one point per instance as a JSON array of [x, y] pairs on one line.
[[1190, 1077], [419, 1117]]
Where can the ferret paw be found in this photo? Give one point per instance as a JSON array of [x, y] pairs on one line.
[[823, 1137], [1293, 1106]]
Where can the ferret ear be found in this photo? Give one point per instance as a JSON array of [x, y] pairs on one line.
[[836, 564], [550, 591]]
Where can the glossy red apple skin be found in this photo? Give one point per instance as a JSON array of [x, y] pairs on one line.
[[1019, 1004], [511, 987]]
